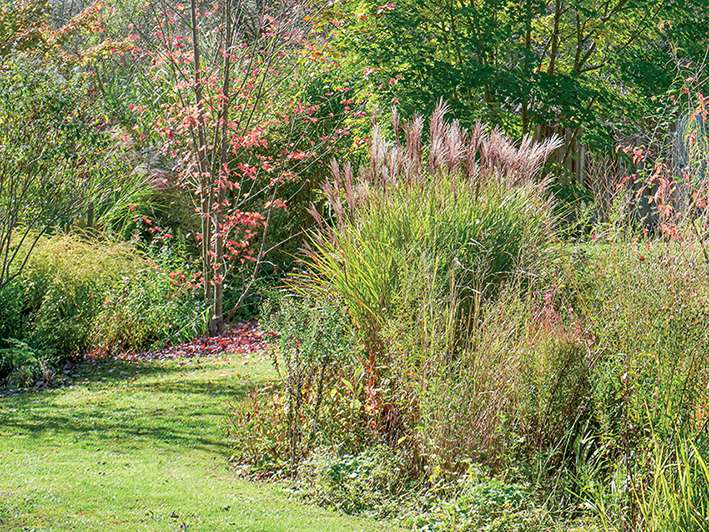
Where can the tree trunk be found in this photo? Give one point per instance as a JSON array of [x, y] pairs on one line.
[[217, 322]]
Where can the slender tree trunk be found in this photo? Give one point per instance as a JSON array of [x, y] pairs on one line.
[[548, 130], [217, 322], [206, 185], [555, 37]]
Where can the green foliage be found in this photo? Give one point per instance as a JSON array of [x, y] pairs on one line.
[[515, 388], [412, 268], [76, 295], [664, 487], [522, 65], [42, 104], [308, 333], [258, 435], [11, 305], [314, 340], [21, 25], [445, 231], [20, 365], [61, 166], [646, 305], [677, 494], [644, 461], [370, 483], [146, 311], [376, 482], [65, 284], [324, 135], [590, 391], [486, 504]]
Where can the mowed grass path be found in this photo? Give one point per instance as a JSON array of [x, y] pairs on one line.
[[141, 447]]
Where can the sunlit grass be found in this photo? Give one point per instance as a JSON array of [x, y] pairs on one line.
[[140, 447]]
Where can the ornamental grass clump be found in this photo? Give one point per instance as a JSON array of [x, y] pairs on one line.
[[467, 205], [423, 229]]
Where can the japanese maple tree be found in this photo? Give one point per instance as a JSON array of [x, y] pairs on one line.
[[230, 71]]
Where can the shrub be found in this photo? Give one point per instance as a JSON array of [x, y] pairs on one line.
[[20, 365], [65, 283], [11, 303], [470, 207], [148, 310], [313, 341], [422, 238], [264, 433], [518, 385], [433, 231], [258, 433], [645, 307], [77, 294], [59, 163]]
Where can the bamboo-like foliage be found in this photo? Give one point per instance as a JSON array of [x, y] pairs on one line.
[[677, 494]]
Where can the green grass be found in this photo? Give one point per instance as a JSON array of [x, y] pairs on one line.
[[141, 447]]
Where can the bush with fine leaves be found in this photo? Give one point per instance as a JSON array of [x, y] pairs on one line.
[[77, 295]]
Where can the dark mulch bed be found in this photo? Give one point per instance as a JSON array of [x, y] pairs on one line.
[[243, 338]]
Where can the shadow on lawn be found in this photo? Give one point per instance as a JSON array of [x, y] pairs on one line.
[[113, 411], [216, 389], [99, 371], [116, 370]]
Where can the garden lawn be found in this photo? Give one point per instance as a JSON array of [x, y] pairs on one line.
[[141, 446]]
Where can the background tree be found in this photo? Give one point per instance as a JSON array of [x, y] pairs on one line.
[[58, 155], [46, 159], [582, 69]]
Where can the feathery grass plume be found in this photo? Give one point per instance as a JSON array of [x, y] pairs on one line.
[[455, 146], [437, 137], [395, 122], [475, 156]]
